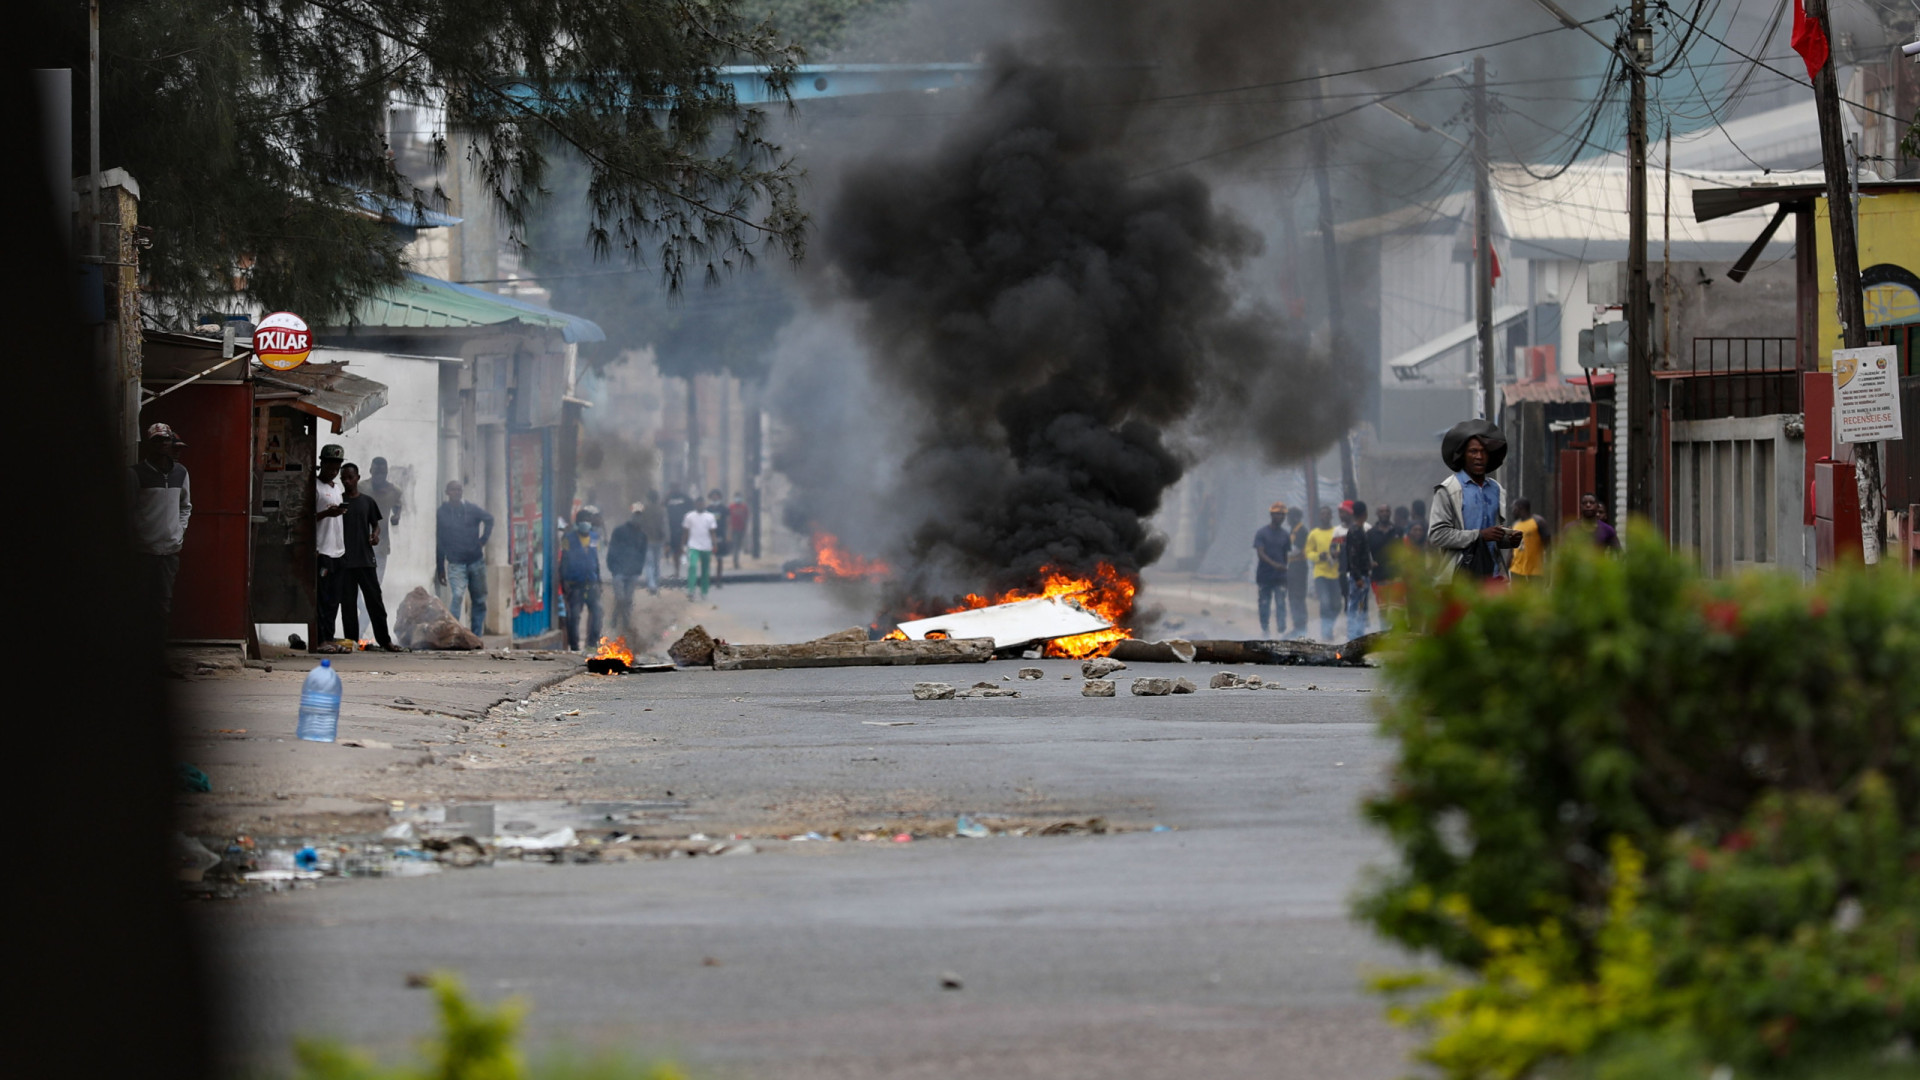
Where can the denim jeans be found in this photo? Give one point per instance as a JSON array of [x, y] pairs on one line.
[[1359, 592], [468, 579], [582, 596], [1273, 600], [1297, 596], [623, 586], [1327, 591], [653, 569]]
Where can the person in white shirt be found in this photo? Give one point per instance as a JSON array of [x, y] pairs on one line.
[[329, 545], [699, 526], [162, 498]]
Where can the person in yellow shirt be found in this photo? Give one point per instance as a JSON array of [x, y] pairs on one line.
[[1326, 572], [1529, 565]]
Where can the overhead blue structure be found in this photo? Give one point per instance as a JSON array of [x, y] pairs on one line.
[[849, 80]]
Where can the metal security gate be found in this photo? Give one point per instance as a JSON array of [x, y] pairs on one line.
[[1736, 495]]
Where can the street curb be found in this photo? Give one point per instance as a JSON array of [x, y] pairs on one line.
[[522, 690]]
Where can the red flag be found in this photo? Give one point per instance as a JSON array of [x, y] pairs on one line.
[[1809, 40]]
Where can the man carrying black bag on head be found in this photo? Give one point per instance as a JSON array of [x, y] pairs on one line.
[[1467, 522]]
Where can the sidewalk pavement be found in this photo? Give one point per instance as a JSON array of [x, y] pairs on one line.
[[401, 718]]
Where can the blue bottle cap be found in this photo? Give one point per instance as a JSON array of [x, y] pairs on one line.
[[326, 663]]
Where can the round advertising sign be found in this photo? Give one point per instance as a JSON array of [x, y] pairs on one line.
[[282, 341]]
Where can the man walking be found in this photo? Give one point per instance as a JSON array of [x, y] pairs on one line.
[[1326, 572], [1464, 525], [627, 562], [360, 520], [580, 582], [1270, 550], [1594, 524], [162, 499], [738, 517], [1388, 536], [678, 504], [329, 545], [717, 509], [461, 531], [1530, 558], [698, 527], [1297, 568], [653, 523], [1356, 557]]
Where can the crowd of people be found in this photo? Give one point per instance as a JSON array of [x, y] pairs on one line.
[[681, 530], [1353, 560]]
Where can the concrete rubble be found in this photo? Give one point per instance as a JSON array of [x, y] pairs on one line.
[[726, 656], [933, 691], [1151, 687], [1097, 688], [1100, 667]]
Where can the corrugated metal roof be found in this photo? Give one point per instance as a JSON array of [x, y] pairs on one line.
[[1553, 393], [426, 303], [328, 391]]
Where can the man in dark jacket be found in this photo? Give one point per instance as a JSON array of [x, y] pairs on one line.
[[1297, 568], [360, 567], [678, 503], [580, 582], [1356, 564], [627, 562]]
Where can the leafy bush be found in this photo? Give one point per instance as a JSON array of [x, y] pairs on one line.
[[474, 1043], [1650, 813]]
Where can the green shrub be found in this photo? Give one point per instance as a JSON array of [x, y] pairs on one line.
[[1756, 741], [474, 1043]]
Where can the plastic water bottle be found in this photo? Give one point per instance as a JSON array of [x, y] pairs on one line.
[[320, 704]]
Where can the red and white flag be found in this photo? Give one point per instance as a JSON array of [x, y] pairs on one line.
[[1809, 40]]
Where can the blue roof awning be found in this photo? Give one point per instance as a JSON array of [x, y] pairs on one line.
[[426, 303]]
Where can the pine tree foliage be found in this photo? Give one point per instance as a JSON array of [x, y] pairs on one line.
[[257, 131]]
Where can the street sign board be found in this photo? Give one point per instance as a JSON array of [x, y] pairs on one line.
[[282, 341], [1866, 394]]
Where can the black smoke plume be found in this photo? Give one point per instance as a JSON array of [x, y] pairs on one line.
[[1047, 322]]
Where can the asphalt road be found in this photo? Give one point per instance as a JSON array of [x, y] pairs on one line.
[[1220, 948]]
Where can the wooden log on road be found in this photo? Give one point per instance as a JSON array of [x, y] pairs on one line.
[[829, 653], [1305, 653]]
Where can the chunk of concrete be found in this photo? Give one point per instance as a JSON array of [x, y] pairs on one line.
[[1097, 688], [1152, 687], [1226, 680], [694, 649], [1184, 685], [1032, 673], [1100, 667], [932, 691]]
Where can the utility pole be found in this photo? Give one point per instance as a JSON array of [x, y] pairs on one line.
[[1482, 238], [1336, 307], [1846, 274], [1640, 400]]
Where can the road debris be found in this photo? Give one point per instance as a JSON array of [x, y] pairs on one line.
[[987, 690], [965, 826], [889, 723], [1097, 688], [423, 622], [1134, 651], [726, 656], [1151, 687], [694, 649], [932, 691], [1100, 667], [1032, 673], [950, 981], [1184, 685]]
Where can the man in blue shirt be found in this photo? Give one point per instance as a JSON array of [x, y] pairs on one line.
[[580, 582], [1271, 546], [1467, 519]]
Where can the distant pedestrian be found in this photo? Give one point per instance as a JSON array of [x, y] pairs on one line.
[[329, 546], [360, 524], [1401, 519], [1356, 557], [1389, 542], [1417, 525], [699, 526], [739, 516], [1326, 572], [461, 532], [627, 562], [1467, 521], [1593, 522], [653, 522], [717, 507], [387, 494], [1270, 551], [1530, 558], [1297, 571], [678, 504], [162, 498], [580, 583]]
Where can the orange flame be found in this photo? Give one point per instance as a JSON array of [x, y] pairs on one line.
[[830, 559], [614, 649], [1107, 593]]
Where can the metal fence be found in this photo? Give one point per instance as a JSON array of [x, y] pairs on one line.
[[1734, 377]]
